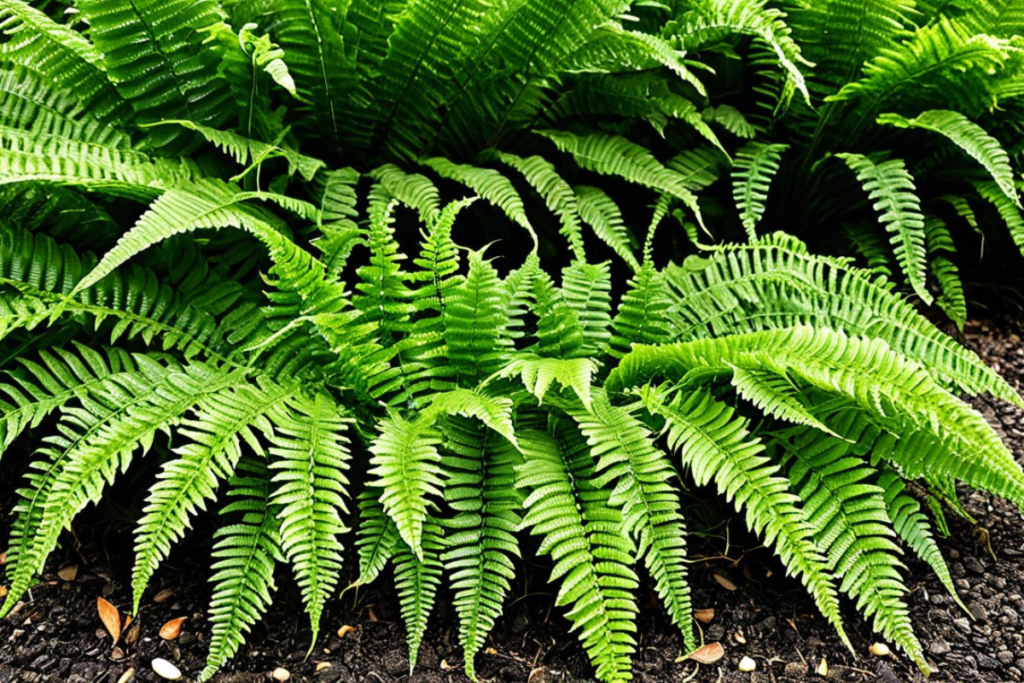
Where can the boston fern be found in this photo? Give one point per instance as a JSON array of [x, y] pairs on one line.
[[208, 276]]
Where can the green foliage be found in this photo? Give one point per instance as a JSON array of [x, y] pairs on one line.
[[258, 323]]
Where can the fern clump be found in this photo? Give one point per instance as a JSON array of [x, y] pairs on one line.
[[211, 279]]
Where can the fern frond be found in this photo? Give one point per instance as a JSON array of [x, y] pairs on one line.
[[376, 537], [474, 322], [417, 577], [616, 156], [1008, 210], [538, 374], [309, 457], [586, 290], [715, 445], [753, 169], [185, 484], [603, 215], [775, 395], [968, 136], [406, 467], [480, 487], [412, 189], [149, 50], [641, 316], [649, 499], [586, 539], [244, 556], [891, 187], [946, 273]]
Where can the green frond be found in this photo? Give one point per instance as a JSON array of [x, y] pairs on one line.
[[642, 313], [495, 413], [244, 555], [644, 488], [968, 136], [616, 156], [376, 537], [753, 168], [603, 215], [947, 275], [98, 439], [1008, 210], [913, 527], [869, 242], [586, 290], [732, 119], [943, 57], [417, 577], [712, 20], [474, 322], [406, 469], [777, 283], [715, 445], [559, 332], [309, 457], [891, 187], [852, 527], [412, 189], [898, 393], [557, 194], [480, 488], [587, 541], [221, 422], [537, 375], [775, 395], [491, 185], [151, 54], [61, 57]]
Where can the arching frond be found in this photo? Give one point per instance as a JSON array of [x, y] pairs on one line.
[[417, 577], [753, 169]]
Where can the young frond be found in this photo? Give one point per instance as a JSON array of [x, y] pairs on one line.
[[412, 189], [376, 537], [417, 577], [537, 375], [752, 171], [474, 322], [309, 457], [891, 187]]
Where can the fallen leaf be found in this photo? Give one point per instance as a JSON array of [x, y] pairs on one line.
[[117, 654], [127, 620], [709, 654], [322, 666], [110, 617], [822, 669], [3, 558], [723, 580], [445, 665], [128, 675], [131, 635], [163, 596], [68, 573], [345, 630], [172, 628], [373, 617], [704, 616], [3, 591]]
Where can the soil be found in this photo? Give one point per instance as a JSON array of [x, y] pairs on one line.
[[758, 612]]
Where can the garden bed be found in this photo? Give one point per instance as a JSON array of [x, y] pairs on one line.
[[758, 612]]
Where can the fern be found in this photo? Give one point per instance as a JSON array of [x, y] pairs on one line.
[[753, 169]]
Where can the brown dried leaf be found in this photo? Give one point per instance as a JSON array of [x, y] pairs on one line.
[[163, 596], [704, 616], [345, 630], [373, 617], [110, 617], [723, 580], [3, 558], [709, 654], [131, 635], [3, 591], [172, 628], [68, 573]]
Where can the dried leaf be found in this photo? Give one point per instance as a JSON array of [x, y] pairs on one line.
[[3, 558], [110, 617], [68, 573], [172, 628], [723, 580], [373, 617], [445, 665], [709, 654], [345, 630], [163, 596], [3, 591], [128, 675], [704, 616], [131, 635]]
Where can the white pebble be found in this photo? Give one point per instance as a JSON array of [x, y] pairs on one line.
[[281, 674], [165, 669], [879, 649], [747, 664]]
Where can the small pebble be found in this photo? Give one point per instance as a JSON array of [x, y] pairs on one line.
[[128, 675], [879, 649], [281, 674], [747, 664], [166, 670]]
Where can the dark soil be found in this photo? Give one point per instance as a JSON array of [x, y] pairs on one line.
[[57, 636]]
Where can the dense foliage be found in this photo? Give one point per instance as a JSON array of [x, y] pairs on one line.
[[205, 280]]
